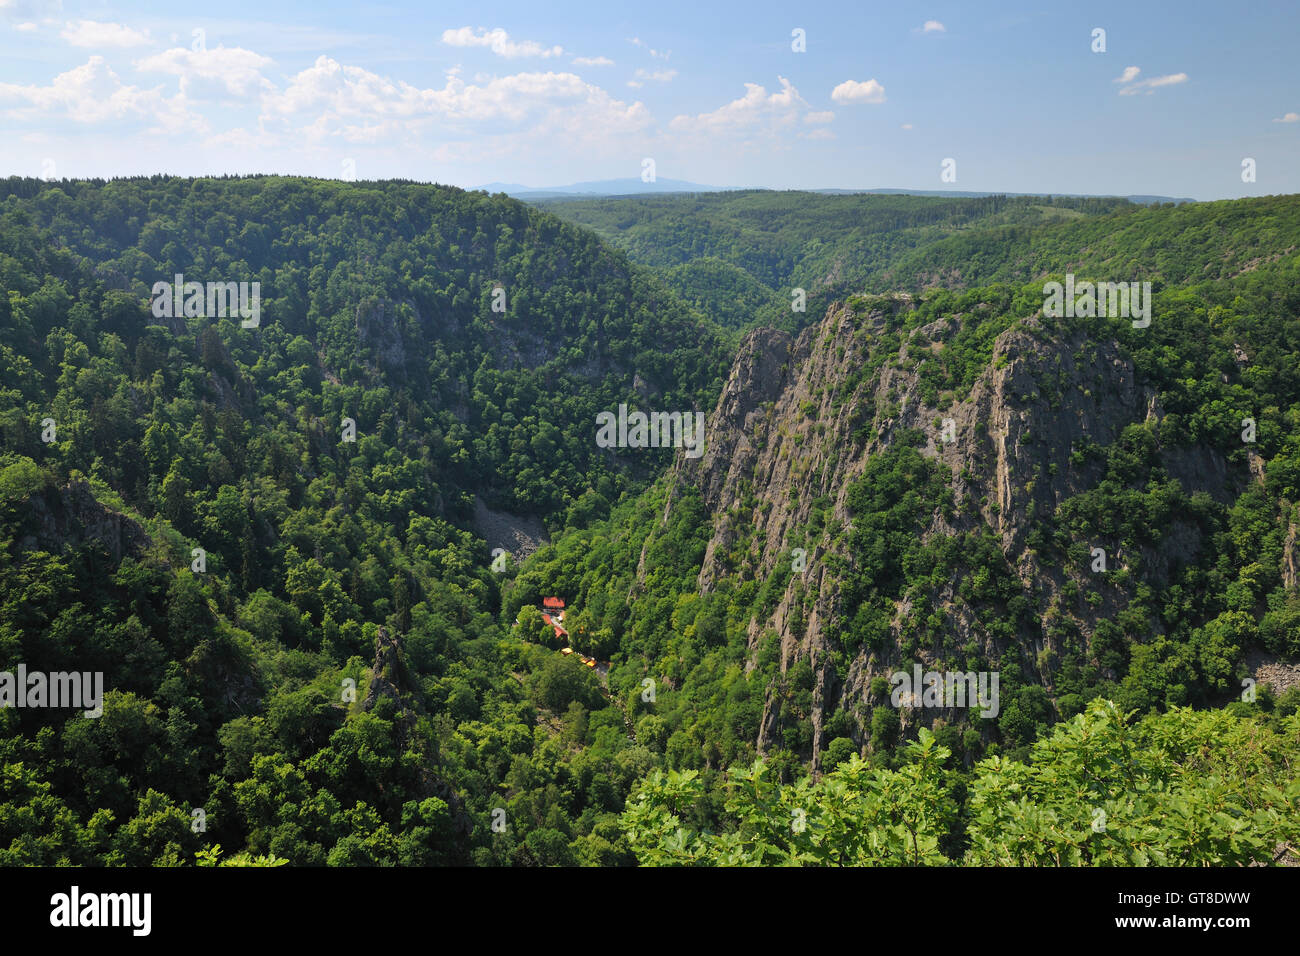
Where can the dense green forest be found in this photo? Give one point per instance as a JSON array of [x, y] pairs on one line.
[[347, 680], [1172, 635], [738, 255]]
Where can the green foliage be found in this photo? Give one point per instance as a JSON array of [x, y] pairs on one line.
[[211, 856], [738, 255], [247, 690], [1184, 788], [225, 687], [1178, 789]]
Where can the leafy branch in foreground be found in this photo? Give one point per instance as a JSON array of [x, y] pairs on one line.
[[211, 856], [1184, 788]]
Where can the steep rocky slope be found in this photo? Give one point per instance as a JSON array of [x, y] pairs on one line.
[[799, 419]]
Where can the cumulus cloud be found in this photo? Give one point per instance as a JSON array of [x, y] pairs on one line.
[[1150, 85], [592, 61], [330, 103], [1288, 118], [851, 91], [332, 99], [93, 93], [933, 26], [92, 33], [499, 42], [757, 112], [233, 71]]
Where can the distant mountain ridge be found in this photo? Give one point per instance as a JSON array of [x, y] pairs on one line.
[[1144, 200], [604, 187], [633, 186]]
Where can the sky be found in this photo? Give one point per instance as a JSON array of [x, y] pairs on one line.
[[1188, 99]]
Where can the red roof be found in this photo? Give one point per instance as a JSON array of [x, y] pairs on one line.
[[552, 602]]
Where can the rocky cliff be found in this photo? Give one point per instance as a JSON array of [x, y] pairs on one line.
[[69, 516], [799, 419]]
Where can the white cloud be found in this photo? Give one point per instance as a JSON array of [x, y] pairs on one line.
[[1150, 85], [331, 89], [757, 112], [907, 126], [329, 107], [657, 54], [93, 93], [825, 116], [851, 91], [933, 26], [499, 42], [91, 33], [355, 104], [25, 27], [233, 70], [1288, 118], [592, 61], [654, 76]]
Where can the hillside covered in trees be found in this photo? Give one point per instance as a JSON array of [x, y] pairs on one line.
[[738, 255], [268, 538]]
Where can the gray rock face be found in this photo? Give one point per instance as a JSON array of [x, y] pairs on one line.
[[379, 328], [389, 679], [68, 516], [520, 535], [798, 420], [387, 675]]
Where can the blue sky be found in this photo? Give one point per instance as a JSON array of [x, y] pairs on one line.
[[547, 94]]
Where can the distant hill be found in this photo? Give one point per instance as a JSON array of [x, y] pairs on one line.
[[737, 255], [604, 187], [1141, 200], [634, 186]]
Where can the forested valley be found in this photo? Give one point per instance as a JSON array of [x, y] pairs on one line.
[[317, 650]]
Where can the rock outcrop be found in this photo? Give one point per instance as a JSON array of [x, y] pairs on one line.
[[798, 420], [71, 515], [390, 681], [379, 327]]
